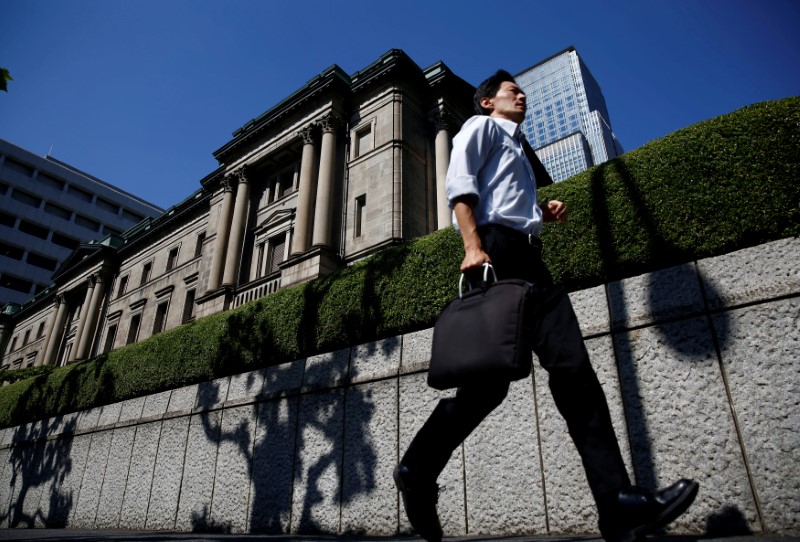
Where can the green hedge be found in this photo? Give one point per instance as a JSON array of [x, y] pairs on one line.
[[720, 185], [714, 187]]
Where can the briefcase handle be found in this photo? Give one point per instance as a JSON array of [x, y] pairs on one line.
[[486, 268]]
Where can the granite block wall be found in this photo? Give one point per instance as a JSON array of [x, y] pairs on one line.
[[699, 364]]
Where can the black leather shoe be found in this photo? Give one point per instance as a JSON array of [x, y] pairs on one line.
[[635, 512], [420, 502]]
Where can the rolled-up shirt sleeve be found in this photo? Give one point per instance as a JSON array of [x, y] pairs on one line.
[[467, 158]]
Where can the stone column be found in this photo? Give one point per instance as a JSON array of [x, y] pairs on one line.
[[240, 211], [442, 162], [306, 190], [48, 333], [327, 171], [90, 328], [56, 332], [221, 241], [73, 354]]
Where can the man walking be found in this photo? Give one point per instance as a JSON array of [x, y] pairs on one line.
[[491, 188]]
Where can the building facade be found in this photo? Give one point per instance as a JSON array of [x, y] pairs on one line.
[[343, 167], [47, 209], [567, 122]]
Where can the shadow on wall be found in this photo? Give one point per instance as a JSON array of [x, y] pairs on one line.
[[292, 446], [38, 466], [38, 472], [707, 341], [295, 448]]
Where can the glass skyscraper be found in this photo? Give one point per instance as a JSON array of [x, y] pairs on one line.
[[567, 121]]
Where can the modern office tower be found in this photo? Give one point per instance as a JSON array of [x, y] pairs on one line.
[[567, 122], [47, 209]]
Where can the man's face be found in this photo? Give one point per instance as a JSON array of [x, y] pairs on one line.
[[508, 103]]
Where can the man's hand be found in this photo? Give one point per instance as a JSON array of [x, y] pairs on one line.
[[554, 211], [474, 255], [474, 260]]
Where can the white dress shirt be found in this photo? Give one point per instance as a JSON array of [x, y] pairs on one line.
[[488, 162]]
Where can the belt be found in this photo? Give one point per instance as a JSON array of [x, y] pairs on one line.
[[528, 238]]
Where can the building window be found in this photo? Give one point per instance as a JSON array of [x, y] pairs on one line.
[[27, 199], [198, 246], [108, 206], [133, 331], [79, 193], [64, 241], [33, 229], [130, 215], [276, 253], [146, 273], [364, 142], [361, 203], [111, 336], [7, 220], [13, 345], [50, 182], [65, 357], [17, 167], [260, 260], [123, 286], [87, 223], [26, 337], [9, 251], [161, 317], [188, 307], [40, 331], [15, 283], [282, 184], [42, 262], [172, 259]]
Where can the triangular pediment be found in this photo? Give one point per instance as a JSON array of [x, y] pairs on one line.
[[85, 254], [281, 215]]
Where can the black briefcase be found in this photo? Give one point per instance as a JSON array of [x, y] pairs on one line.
[[481, 335]]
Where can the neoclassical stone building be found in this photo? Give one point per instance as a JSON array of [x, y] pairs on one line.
[[341, 168]]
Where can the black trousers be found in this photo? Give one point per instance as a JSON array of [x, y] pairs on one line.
[[558, 344]]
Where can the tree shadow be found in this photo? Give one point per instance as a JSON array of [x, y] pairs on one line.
[[662, 303], [38, 470], [39, 459], [306, 442]]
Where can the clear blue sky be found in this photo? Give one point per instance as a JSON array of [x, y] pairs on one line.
[[140, 93]]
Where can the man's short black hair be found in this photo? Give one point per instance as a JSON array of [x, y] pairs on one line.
[[489, 88]]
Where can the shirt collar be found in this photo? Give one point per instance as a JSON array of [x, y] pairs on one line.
[[508, 126]]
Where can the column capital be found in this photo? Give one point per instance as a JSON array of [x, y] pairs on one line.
[[330, 122], [91, 280], [227, 183], [308, 134], [442, 120], [241, 174]]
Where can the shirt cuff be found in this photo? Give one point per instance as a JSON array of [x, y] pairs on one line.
[[457, 187]]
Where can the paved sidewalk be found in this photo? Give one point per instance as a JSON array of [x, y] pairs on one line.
[[53, 535]]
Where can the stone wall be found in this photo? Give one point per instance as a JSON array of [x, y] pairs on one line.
[[699, 363]]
